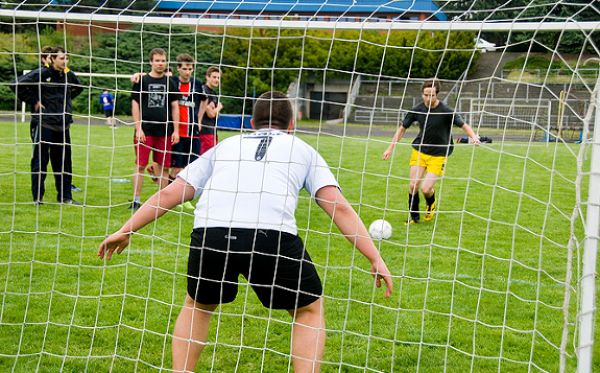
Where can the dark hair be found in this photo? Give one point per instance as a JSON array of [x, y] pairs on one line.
[[272, 110], [212, 69], [432, 83], [55, 51], [184, 58], [45, 52], [154, 51]]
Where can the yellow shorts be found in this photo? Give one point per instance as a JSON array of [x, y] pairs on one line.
[[432, 163]]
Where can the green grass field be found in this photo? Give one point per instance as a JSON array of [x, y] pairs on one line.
[[481, 288]]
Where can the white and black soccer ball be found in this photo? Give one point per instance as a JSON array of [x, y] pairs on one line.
[[380, 230]]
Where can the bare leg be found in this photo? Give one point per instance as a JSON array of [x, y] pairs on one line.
[[416, 176], [308, 337], [163, 177], [428, 184], [138, 181], [190, 334], [175, 171]]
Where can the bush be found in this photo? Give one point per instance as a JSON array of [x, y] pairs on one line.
[[247, 58], [534, 63]]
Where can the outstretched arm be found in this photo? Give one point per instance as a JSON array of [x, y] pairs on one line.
[[333, 202], [177, 192], [469, 131], [397, 137]]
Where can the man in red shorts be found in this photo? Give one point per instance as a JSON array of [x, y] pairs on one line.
[[155, 111]]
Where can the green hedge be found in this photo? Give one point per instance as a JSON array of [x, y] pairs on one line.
[[534, 63], [247, 58]]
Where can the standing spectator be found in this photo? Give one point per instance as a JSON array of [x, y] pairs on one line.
[[107, 102], [187, 149], [49, 91], [431, 147], [211, 107], [44, 62], [245, 225], [155, 111]]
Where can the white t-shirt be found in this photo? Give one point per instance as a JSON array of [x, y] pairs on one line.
[[253, 180]]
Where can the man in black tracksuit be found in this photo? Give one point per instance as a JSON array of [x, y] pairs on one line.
[[49, 91]]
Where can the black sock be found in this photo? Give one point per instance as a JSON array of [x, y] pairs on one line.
[[413, 206], [431, 199]]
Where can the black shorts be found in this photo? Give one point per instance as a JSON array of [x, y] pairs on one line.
[[108, 113], [275, 264], [185, 152]]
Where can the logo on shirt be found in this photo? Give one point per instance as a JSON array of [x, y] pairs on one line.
[[156, 95]]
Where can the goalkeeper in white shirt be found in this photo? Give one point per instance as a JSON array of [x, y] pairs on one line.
[[245, 224]]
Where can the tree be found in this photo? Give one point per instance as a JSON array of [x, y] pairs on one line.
[[531, 11]]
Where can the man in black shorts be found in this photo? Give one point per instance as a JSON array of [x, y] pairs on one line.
[[244, 224]]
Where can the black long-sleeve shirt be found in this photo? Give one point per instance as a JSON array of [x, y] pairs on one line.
[[54, 89]]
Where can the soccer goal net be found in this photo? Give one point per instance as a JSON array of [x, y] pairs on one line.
[[501, 279]]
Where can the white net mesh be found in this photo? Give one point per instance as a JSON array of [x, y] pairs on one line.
[[492, 283]]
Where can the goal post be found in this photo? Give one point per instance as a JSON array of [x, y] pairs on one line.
[[503, 278], [590, 254]]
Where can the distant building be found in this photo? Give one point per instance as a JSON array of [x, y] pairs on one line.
[[327, 10]]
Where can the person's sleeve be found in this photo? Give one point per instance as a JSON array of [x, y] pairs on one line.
[[75, 84], [136, 91], [319, 175], [198, 172], [26, 87], [174, 94], [458, 120], [203, 96], [409, 119]]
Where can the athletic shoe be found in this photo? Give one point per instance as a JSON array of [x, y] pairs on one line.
[[188, 206], [71, 202], [38, 202], [75, 189], [430, 212], [411, 221], [135, 205]]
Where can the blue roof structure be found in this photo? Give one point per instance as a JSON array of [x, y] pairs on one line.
[[345, 8]]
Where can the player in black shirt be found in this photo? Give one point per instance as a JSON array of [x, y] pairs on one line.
[[431, 147], [155, 111], [211, 108]]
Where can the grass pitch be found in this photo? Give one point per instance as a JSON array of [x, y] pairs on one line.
[[481, 288]]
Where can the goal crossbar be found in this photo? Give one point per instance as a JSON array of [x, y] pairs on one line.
[[230, 21]]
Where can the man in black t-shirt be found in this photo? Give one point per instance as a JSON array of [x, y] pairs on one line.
[[211, 108], [155, 111], [431, 147]]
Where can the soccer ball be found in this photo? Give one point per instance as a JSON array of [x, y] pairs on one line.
[[380, 230]]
